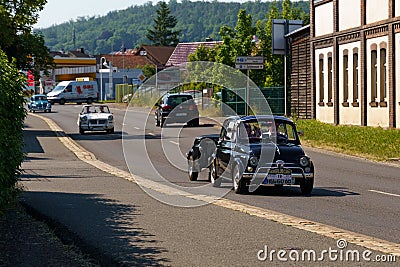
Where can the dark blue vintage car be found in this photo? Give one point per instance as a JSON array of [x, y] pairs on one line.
[[39, 103], [253, 151]]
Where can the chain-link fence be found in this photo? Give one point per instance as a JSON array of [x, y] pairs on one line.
[[274, 96]]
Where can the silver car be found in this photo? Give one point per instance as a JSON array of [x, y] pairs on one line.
[[95, 118]]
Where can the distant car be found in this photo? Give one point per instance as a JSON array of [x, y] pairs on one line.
[[257, 150], [95, 118], [39, 103], [177, 108]]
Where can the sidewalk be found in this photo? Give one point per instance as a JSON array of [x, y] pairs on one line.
[[26, 241], [25, 236]]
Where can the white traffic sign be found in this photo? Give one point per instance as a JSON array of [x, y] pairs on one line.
[[249, 60], [249, 66]]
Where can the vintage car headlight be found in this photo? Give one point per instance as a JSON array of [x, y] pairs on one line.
[[110, 118], [253, 161], [84, 118], [304, 161]]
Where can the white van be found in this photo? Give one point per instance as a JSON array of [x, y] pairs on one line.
[[74, 91]]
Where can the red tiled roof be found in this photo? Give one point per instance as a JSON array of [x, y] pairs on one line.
[[160, 54], [183, 50], [128, 61]]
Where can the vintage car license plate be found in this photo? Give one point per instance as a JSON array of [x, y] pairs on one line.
[[181, 114], [279, 176]]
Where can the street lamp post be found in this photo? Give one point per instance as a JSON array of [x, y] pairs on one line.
[[110, 82], [101, 76]]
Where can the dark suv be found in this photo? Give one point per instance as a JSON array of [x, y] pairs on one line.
[[177, 108], [252, 151]]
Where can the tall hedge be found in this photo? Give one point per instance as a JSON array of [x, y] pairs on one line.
[[12, 115]]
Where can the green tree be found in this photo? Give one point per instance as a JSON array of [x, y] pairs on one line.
[[203, 53], [239, 41], [17, 18], [274, 64], [162, 33], [11, 120], [148, 70]]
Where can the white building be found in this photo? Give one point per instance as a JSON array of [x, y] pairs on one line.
[[355, 45]]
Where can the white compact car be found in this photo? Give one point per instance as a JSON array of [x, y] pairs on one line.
[[95, 118]]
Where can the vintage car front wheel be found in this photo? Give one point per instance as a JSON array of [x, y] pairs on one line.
[[193, 175], [157, 121], [306, 186], [239, 184], [213, 175]]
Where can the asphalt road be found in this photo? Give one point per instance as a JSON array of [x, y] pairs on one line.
[[350, 193]]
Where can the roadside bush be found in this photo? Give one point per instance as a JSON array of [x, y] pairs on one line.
[[11, 123], [369, 142]]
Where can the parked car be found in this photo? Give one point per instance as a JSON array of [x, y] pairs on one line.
[[177, 108], [39, 103], [95, 118], [256, 150]]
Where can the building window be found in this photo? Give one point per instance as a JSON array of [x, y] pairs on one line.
[[383, 78], [345, 81], [355, 80], [330, 74], [321, 81], [374, 78]]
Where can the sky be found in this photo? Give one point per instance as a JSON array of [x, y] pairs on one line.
[[59, 11]]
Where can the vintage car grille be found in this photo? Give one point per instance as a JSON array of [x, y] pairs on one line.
[[97, 121]]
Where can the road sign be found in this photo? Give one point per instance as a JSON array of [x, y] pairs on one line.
[[249, 66], [249, 60]]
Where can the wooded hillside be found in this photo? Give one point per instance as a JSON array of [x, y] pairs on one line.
[[196, 21]]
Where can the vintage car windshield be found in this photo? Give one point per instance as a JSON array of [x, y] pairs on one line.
[[95, 109], [259, 131], [37, 98]]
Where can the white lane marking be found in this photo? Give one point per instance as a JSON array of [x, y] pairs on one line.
[[384, 193], [137, 128], [299, 223], [152, 134], [175, 143]]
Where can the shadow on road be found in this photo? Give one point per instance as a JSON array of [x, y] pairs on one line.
[[96, 136], [103, 228], [294, 191], [31, 142]]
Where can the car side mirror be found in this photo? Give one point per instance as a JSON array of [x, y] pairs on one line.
[[301, 133]]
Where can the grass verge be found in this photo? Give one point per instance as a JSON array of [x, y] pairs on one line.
[[369, 142]]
